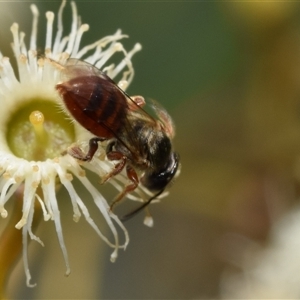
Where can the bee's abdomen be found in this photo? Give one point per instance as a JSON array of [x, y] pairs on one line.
[[96, 103]]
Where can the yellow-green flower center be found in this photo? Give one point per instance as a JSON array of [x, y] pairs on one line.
[[39, 130]]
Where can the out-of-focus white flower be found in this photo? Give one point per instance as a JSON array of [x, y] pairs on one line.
[[272, 272], [34, 130]]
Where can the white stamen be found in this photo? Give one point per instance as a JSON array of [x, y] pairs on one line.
[[23, 68], [4, 190], [106, 55], [50, 19], [59, 28], [45, 213], [46, 188], [33, 37], [62, 45], [3, 212], [29, 194], [127, 61], [29, 225], [148, 221], [16, 45], [99, 45], [10, 192], [73, 195], [32, 56], [104, 208], [23, 46], [56, 214], [25, 257], [83, 28], [7, 73], [72, 35]]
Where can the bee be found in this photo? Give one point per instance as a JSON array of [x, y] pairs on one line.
[[137, 141]]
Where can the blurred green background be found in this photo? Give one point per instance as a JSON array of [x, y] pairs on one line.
[[229, 74]]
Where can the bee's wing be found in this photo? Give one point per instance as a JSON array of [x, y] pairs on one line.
[[164, 118], [76, 68], [132, 140]]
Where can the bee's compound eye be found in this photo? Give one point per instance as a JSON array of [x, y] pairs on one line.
[[155, 181]]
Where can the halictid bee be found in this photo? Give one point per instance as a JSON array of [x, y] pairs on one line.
[[135, 139]]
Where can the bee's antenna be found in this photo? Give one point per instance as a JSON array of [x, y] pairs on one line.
[[137, 210]]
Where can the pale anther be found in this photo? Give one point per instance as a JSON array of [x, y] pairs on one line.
[[6, 175], [82, 173], [35, 168], [69, 176]]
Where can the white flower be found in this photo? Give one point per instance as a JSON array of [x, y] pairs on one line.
[[270, 272], [30, 150]]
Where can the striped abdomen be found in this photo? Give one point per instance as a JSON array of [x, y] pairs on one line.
[[96, 103]]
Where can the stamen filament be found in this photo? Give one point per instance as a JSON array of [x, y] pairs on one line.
[[33, 37]]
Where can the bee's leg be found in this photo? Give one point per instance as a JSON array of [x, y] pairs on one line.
[[132, 176], [77, 153], [114, 155]]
